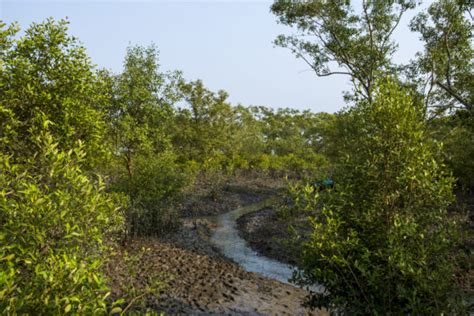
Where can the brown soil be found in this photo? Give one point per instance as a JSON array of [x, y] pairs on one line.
[[266, 234], [217, 203], [212, 195], [197, 279]]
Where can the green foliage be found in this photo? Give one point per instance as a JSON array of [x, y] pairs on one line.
[[7, 34], [55, 216], [154, 191], [341, 37], [444, 73], [247, 140], [54, 220], [158, 149], [447, 62], [338, 38], [457, 133], [141, 105], [292, 141], [219, 137], [382, 242], [460, 150], [46, 72], [204, 129], [145, 168]]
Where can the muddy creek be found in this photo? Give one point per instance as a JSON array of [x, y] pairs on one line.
[[226, 238]]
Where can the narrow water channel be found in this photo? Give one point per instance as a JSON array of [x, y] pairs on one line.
[[226, 238]]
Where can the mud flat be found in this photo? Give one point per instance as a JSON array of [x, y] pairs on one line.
[[195, 276], [206, 284]]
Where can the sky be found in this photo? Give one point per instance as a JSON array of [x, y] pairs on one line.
[[228, 44]]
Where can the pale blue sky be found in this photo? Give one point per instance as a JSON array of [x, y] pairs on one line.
[[227, 44]]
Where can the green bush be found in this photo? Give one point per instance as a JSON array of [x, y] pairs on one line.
[[54, 219], [382, 242], [457, 133], [154, 189], [47, 72]]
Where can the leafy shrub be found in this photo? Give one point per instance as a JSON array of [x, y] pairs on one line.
[[54, 219], [48, 71], [154, 189], [457, 133], [382, 242]]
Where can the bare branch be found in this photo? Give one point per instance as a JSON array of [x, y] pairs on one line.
[[334, 73], [318, 73], [448, 64], [452, 93], [428, 94], [389, 34]]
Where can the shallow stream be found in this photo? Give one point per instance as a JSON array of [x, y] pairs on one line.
[[226, 238]]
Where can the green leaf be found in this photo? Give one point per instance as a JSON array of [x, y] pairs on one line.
[[115, 310]]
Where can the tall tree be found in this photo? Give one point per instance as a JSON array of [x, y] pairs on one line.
[[140, 116], [339, 38], [448, 60], [205, 125], [444, 75], [141, 106]]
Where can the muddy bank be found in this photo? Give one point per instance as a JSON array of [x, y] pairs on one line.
[[266, 234], [197, 283], [214, 195], [194, 235], [225, 200]]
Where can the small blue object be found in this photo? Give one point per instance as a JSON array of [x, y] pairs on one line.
[[323, 184], [328, 182]]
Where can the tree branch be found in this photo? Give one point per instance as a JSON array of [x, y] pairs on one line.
[[318, 73], [389, 34], [334, 73], [454, 95]]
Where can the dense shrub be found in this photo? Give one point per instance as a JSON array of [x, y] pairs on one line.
[[382, 242], [154, 189], [457, 133], [46, 71], [54, 221], [55, 217]]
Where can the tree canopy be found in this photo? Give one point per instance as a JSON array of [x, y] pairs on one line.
[[339, 38]]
